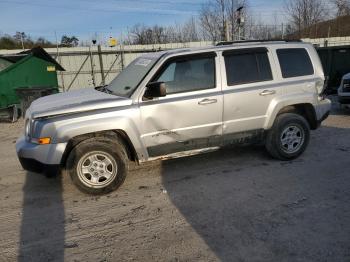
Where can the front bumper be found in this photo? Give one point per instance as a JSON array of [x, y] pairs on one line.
[[343, 96], [39, 158], [344, 99], [33, 165]]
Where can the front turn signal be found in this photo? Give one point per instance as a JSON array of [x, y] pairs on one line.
[[44, 140]]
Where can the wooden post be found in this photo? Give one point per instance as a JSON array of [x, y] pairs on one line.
[[103, 82], [92, 67]]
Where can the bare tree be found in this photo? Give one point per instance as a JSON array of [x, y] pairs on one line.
[[304, 13], [189, 31], [343, 7], [210, 22], [218, 18], [143, 35]]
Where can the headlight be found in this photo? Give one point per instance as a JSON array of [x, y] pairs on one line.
[[27, 128]]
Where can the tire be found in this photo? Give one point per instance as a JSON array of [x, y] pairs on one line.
[[98, 165], [282, 139]]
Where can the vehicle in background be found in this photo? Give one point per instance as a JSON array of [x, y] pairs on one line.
[[344, 90], [336, 62], [179, 102]]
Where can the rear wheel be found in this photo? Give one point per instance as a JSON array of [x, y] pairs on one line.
[[288, 137], [98, 165]]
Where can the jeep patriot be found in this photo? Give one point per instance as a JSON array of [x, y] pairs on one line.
[[178, 102]]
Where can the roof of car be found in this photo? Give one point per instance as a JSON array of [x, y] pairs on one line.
[[230, 45]]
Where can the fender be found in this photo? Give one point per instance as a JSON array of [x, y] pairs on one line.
[[287, 100], [64, 128]]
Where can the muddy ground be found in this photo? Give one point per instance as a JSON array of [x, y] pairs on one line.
[[236, 204]]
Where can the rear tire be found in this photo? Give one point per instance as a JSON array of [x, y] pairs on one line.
[[98, 165], [288, 137]]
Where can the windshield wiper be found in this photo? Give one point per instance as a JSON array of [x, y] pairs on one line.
[[104, 89]]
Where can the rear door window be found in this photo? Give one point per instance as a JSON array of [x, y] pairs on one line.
[[294, 62], [247, 66]]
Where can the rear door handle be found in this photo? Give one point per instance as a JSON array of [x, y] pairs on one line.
[[267, 92], [207, 101]]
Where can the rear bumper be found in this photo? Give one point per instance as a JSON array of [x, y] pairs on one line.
[[323, 109]]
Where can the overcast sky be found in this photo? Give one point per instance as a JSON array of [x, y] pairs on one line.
[[84, 18]]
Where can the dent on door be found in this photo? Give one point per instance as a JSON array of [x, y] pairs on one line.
[[190, 116], [178, 126]]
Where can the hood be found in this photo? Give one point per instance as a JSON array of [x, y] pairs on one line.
[[346, 76], [75, 101]]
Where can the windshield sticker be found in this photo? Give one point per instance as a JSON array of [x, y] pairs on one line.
[[143, 62]]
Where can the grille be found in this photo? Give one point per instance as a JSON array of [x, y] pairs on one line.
[[346, 85]]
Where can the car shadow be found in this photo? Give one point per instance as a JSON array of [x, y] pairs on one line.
[[249, 207], [42, 230]]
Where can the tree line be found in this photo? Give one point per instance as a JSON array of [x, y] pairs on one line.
[[228, 20], [218, 20], [21, 40]]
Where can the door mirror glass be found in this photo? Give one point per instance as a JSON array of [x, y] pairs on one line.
[[155, 89]]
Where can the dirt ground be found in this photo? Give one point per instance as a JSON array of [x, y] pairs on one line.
[[235, 204]]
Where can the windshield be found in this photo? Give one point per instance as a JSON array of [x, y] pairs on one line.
[[128, 79]]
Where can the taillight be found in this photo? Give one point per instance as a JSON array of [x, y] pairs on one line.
[[320, 85]]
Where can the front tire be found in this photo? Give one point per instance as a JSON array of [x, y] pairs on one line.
[[288, 137], [98, 165]]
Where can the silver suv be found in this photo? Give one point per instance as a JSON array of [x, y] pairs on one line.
[[178, 101]]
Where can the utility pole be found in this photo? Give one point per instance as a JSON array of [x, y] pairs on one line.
[[240, 21], [103, 82], [223, 32], [101, 65], [92, 66], [122, 50], [22, 41], [58, 58]]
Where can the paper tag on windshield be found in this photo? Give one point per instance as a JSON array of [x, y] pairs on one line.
[[143, 62]]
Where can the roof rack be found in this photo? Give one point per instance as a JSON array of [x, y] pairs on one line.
[[255, 41]]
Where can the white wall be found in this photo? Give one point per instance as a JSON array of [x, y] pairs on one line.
[[72, 58]]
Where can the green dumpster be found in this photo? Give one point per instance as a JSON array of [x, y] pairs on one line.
[[29, 69]]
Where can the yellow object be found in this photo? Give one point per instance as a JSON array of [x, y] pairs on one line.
[[44, 140], [51, 68], [112, 42]]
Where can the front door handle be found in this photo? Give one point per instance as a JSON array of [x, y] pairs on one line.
[[207, 101], [267, 92]]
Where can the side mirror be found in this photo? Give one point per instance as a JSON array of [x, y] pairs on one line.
[[155, 89]]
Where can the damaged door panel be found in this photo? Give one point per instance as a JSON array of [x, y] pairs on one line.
[[190, 115]]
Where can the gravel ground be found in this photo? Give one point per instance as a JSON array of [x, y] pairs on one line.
[[235, 204]]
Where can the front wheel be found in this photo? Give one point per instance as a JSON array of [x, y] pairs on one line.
[[97, 165], [288, 137]]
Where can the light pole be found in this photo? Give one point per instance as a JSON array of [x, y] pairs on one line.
[[240, 20], [22, 41]]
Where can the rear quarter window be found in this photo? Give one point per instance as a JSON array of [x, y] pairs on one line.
[[295, 62]]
